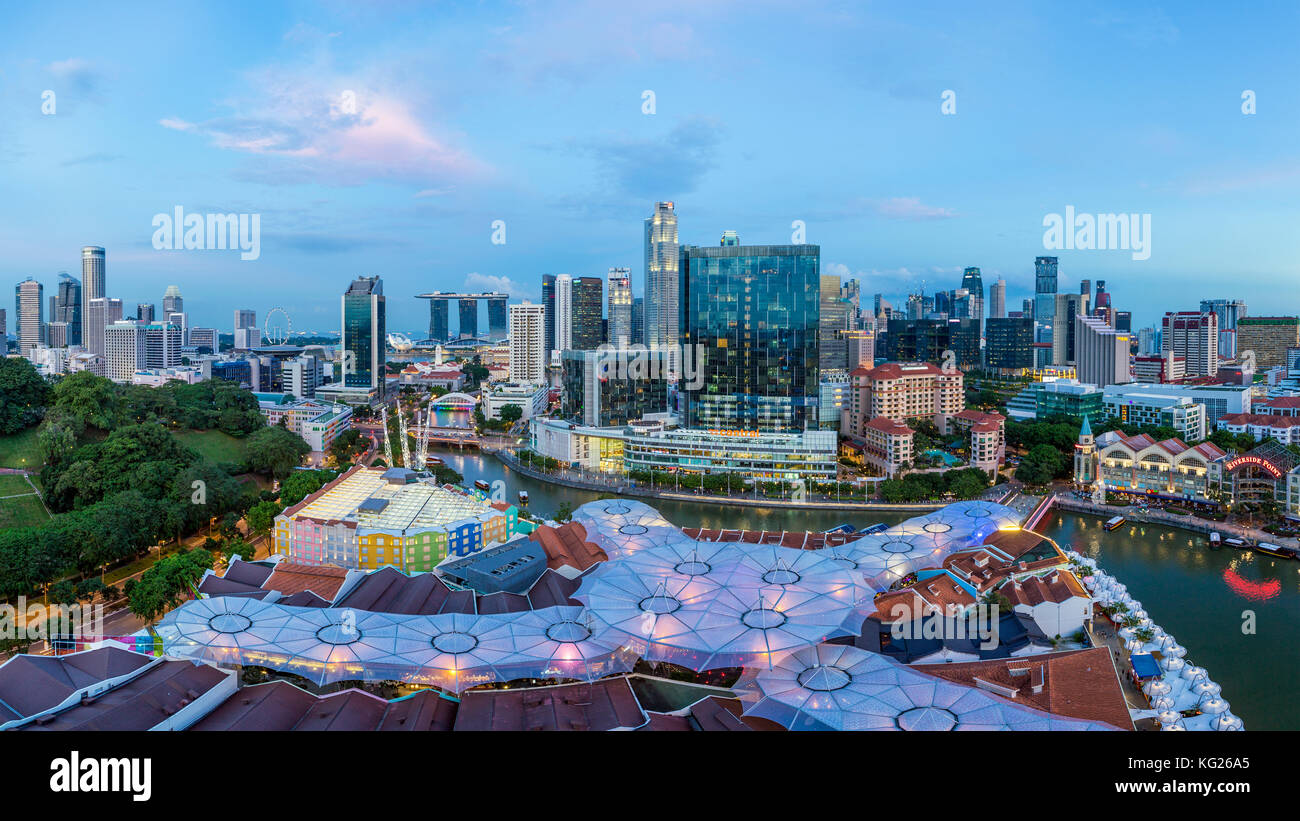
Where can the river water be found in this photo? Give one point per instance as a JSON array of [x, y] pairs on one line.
[[1202, 596]]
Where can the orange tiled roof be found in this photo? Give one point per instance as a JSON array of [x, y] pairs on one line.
[[292, 577]]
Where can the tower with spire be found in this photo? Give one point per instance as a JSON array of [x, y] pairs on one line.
[[1085, 456]]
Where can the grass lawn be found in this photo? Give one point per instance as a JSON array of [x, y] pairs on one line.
[[19, 446], [14, 485], [22, 511], [214, 445]]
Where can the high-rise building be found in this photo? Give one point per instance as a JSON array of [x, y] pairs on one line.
[[1147, 342], [144, 312], [974, 284], [68, 307], [1101, 352], [162, 345], [833, 323], [662, 286], [205, 338], [1267, 338], [638, 320], [588, 310], [247, 334], [1103, 298], [302, 375], [1045, 278], [364, 335], [1008, 344], [172, 302], [620, 308], [56, 334], [1027, 308], [998, 299], [92, 287], [29, 311], [181, 320], [612, 388], [100, 312], [468, 310], [1067, 307], [750, 337], [861, 346], [528, 351], [124, 348], [562, 335], [1194, 336], [548, 307]]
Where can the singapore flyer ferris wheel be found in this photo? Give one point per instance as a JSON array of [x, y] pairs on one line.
[[277, 327]]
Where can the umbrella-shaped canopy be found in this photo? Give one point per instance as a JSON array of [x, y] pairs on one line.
[[839, 687], [1214, 706], [1169, 717], [1158, 687], [724, 606], [623, 526], [1226, 721], [1172, 664], [1162, 703]]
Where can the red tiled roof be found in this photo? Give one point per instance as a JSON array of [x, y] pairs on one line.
[[1057, 587], [292, 577], [608, 704], [567, 545], [886, 425], [898, 370], [1270, 420]]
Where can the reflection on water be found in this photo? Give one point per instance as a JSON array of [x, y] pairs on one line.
[[1235, 611]]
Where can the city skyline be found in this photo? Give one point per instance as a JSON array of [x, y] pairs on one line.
[[427, 163]]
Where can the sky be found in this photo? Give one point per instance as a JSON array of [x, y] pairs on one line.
[[396, 139]]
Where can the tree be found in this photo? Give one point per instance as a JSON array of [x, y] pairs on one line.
[[237, 547], [348, 445], [511, 413], [63, 592], [23, 395], [261, 516], [276, 451], [92, 399]]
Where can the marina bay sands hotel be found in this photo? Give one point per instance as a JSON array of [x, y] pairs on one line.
[[468, 305]]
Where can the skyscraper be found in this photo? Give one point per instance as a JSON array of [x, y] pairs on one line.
[[620, 308], [172, 302], [548, 311], [124, 348], [833, 323], [998, 300], [92, 287], [750, 337], [972, 281], [638, 321], [68, 307], [662, 286], [1102, 352], [528, 353], [562, 333], [29, 311], [1195, 337], [588, 310], [1044, 289], [100, 313], [144, 312], [364, 334], [1068, 306]]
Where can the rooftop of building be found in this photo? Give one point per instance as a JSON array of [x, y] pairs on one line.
[[33, 684], [607, 704], [279, 705]]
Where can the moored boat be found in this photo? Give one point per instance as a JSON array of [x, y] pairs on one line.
[[1237, 543], [1114, 522], [1214, 538], [482, 485], [1277, 550], [523, 497]]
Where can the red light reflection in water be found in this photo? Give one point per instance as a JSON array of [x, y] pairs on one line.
[[1252, 591]]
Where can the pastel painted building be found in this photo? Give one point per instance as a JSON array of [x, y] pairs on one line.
[[370, 517]]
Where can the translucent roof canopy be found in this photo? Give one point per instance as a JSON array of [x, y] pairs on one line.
[[839, 687], [452, 651]]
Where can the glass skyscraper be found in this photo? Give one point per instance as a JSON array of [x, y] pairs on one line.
[[662, 289], [620, 308], [1045, 288], [749, 327], [68, 307], [364, 334]]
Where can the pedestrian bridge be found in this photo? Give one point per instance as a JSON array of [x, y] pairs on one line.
[[455, 400]]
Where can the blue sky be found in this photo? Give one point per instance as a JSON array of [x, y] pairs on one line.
[[531, 113]]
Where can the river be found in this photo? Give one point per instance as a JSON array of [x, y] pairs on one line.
[[1198, 594]]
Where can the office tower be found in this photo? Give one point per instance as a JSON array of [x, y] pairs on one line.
[[245, 318], [439, 327], [915, 306], [1123, 320], [750, 322], [124, 349], [1103, 298], [563, 316], [833, 324], [204, 338], [29, 311], [1228, 311], [1067, 307], [588, 309], [730, 238], [181, 320], [68, 307], [4, 334], [528, 351], [364, 334], [638, 321], [974, 284], [162, 345], [1147, 342], [1027, 308], [548, 308], [1267, 338], [998, 299], [496, 308], [1085, 287], [56, 334], [662, 287], [1045, 273], [302, 375], [1194, 336], [144, 312], [1008, 344], [851, 292], [620, 307], [943, 303], [99, 314], [246, 333], [860, 346], [172, 302], [1101, 352], [602, 389], [93, 274]]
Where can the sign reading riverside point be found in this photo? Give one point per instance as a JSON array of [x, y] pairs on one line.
[[1254, 460]]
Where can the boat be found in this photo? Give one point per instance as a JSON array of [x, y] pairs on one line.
[[1114, 522], [1237, 543], [430, 461], [1214, 538], [482, 485], [1277, 550], [523, 497]]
